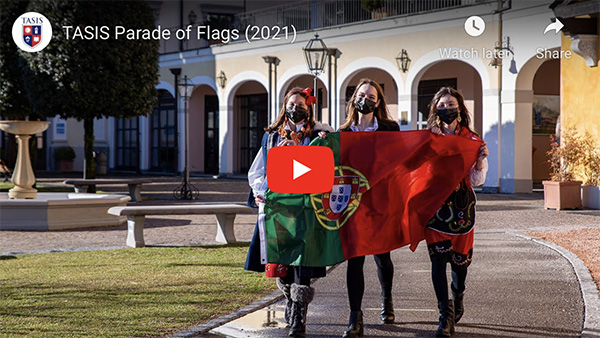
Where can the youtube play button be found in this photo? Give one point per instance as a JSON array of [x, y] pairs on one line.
[[300, 169]]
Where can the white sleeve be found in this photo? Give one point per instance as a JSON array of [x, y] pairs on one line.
[[323, 127], [257, 175], [478, 176]]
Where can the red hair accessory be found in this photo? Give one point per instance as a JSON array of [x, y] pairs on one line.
[[309, 98]]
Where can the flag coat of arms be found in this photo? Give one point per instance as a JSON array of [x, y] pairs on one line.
[[32, 34], [387, 186]]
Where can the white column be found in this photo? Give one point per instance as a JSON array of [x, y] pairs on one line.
[[490, 135], [144, 142], [181, 134], [516, 141], [405, 103], [225, 138]]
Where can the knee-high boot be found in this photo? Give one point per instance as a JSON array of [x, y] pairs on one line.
[[301, 296], [385, 273], [355, 325], [459, 307], [446, 328], [285, 288], [387, 309]]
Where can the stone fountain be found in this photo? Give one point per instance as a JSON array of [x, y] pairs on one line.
[[24, 209], [23, 177]]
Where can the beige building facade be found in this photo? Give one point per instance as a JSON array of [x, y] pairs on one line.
[[505, 74], [499, 98]]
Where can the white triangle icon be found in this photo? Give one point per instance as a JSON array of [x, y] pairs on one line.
[[299, 169]]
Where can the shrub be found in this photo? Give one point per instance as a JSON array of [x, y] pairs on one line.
[[576, 158], [64, 153], [372, 5]]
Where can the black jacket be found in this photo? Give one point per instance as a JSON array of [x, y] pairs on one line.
[[382, 126]]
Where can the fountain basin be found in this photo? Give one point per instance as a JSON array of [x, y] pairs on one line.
[[24, 127], [56, 211]]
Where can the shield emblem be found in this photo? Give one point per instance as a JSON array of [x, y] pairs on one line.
[[334, 208], [340, 195], [345, 190], [32, 35]]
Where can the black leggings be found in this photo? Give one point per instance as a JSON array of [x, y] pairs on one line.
[[293, 277], [355, 278], [438, 276]]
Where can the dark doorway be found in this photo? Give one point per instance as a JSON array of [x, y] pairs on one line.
[[427, 90], [253, 120], [128, 144], [163, 134], [211, 134]]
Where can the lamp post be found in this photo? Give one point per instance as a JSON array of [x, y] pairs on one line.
[[273, 62], [186, 190], [314, 53]]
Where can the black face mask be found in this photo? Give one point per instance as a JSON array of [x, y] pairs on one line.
[[364, 105], [447, 115], [296, 114]]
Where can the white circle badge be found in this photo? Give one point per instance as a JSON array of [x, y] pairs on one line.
[[474, 26], [32, 32]]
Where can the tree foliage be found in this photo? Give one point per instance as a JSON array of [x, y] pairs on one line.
[[93, 78], [13, 96]]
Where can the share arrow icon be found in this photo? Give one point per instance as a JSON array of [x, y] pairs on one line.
[[556, 25]]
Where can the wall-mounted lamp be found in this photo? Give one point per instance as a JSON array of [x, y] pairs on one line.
[[403, 61], [501, 50], [222, 79], [192, 17]]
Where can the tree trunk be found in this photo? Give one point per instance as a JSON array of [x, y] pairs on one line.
[[89, 169]]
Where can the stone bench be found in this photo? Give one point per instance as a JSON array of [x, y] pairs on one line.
[[134, 184], [136, 216]]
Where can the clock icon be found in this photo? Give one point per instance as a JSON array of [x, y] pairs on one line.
[[474, 26]]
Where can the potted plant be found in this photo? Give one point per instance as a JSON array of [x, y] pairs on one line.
[[563, 191], [588, 171], [375, 7], [65, 156]]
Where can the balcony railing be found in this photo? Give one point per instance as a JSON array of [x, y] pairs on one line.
[[311, 14]]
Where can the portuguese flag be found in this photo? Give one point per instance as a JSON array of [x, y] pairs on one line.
[[387, 186]]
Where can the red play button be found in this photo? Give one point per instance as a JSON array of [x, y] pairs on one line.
[[300, 169]]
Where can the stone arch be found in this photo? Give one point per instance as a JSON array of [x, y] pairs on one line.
[[353, 69]]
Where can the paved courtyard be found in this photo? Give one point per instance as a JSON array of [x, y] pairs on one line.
[[517, 287]]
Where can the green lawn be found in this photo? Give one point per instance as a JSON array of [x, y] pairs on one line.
[[147, 292], [5, 186]]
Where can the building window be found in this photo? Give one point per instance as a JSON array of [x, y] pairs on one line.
[[427, 90], [163, 134], [128, 144], [253, 120], [211, 134]]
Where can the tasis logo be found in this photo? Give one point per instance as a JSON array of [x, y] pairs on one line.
[[32, 32]]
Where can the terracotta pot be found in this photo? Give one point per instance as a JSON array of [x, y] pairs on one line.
[[65, 166], [562, 195]]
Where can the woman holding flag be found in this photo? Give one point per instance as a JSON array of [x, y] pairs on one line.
[[294, 126], [449, 234], [368, 112]]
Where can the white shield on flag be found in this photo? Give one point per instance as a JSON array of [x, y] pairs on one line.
[[340, 196]]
